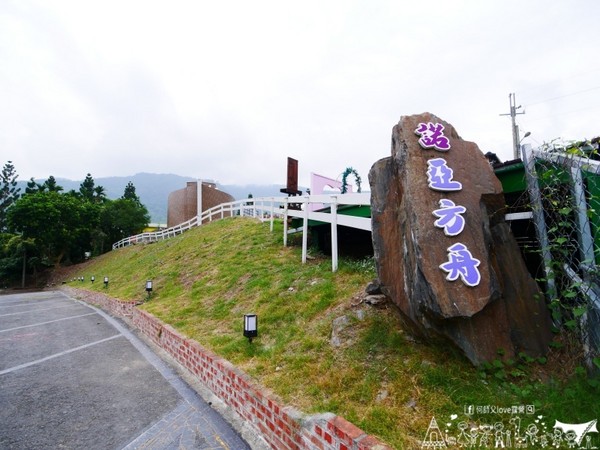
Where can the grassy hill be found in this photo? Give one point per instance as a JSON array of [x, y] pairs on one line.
[[379, 377]]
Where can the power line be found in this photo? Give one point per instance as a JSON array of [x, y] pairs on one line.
[[563, 96], [566, 113], [550, 85]]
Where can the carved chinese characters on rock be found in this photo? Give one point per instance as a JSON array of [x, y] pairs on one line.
[[461, 263], [444, 254]]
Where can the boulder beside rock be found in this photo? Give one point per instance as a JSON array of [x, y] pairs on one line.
[[501, 310]]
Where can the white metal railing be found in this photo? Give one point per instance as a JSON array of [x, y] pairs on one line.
[[266, 209]]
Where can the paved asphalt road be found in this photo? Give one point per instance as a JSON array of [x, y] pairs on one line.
[[73, 377]]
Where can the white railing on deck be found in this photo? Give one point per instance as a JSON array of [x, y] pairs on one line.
[[267, 209]]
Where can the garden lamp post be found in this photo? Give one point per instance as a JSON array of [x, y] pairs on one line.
[[149, 288], [250, 326]]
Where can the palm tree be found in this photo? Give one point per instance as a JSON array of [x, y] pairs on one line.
[[99, 194]]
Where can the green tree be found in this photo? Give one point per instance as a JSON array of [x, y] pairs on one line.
[[33, 187], [24, 250], [99, 194], [90, 192], [55, 221], [86, 188], [129, 193], [123, 217], [90, 213], [9, 192], [51, 185], [9, 262]]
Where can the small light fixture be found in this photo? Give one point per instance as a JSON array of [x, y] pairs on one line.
[[149, 288], [93, 278], [105, 282], [250, 326]]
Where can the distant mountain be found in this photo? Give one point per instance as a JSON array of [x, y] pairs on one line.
[[154, 189]]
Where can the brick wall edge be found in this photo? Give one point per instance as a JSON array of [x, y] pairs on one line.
[[297, 430]]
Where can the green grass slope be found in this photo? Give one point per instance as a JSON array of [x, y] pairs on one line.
[[380, 378]]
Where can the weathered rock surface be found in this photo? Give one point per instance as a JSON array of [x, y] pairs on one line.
[[505, 309], [373, 288], [338, 326]]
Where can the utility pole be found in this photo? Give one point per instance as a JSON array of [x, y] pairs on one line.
[[515, 128]]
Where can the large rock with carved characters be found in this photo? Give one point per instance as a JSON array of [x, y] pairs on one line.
[[444, 254]]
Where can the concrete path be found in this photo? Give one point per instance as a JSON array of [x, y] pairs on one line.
[[73, 377]]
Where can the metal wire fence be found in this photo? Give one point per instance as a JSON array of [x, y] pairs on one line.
[[563, 191]]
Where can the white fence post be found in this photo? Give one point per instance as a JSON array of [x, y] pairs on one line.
[[272, 212], [334, 235], [305, 230], [285, 221]]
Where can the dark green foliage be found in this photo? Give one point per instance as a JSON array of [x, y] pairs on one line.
[[123, 217], [16, 255], [129, 193], [33, 187], [86, 189], [90, 192], [55, 221], [99, 194], [10, 262], [51, 185], [47, 226], [9, 193]]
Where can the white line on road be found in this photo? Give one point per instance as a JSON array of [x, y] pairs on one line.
[[22, 303], [56, 355], [44, 323], [34, 310]]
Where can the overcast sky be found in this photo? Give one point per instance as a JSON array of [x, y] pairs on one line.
[[227, 90]]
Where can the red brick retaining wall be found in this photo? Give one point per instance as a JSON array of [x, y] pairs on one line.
[[111, 305], [282, 427]]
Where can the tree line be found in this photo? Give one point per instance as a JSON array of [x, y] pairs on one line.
[[46, 226]]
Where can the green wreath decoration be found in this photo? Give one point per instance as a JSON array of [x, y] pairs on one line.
[[347, 172]]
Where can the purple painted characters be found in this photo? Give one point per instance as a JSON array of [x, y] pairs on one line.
[[461, 263], [432, 136]]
